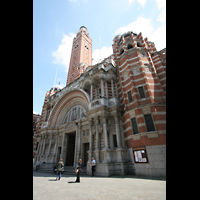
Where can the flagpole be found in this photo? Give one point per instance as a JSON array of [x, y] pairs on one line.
[[56, 75]]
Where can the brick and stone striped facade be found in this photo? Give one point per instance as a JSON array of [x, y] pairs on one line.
[[115, 109], [81, 55]]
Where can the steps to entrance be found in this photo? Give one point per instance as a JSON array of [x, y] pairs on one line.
[[68, 170]]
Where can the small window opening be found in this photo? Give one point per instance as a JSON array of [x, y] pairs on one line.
[[130, 46], [121, 51]]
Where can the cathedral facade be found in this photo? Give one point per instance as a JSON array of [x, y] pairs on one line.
[[114, 111]]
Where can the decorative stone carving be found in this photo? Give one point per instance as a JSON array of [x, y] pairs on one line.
[[45, 124], [69, 125], [114, 101], [100, 128], [135, 69], [147, 67], [85, 140], [96, 103], [125, 74]]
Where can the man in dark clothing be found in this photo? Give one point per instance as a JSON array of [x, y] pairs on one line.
[[59, 169], [93, 163]]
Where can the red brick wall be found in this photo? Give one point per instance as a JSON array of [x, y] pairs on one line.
[[154, 85], [80, 54]]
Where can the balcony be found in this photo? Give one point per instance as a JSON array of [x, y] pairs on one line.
[[103, 101]]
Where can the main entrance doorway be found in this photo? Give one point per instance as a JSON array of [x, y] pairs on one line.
[[70, 149]]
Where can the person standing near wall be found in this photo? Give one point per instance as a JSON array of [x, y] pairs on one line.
[[93, 163]]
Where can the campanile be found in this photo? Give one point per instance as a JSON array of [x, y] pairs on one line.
[[81, 54]]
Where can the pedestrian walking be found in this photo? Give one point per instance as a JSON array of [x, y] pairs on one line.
[[93, 163], [59, 169], [78, 168]]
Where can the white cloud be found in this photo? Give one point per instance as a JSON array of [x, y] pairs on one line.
[[142, 2], [105, 52], [63, 53], [145, 26], [162, 15], [161, 4], [141, 24], [35, 112]]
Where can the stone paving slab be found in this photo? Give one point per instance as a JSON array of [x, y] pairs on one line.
[[45, 187]]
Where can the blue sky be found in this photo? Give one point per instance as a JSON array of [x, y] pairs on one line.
[[56, 22]]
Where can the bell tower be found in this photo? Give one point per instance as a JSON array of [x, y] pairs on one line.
[[81, 54]]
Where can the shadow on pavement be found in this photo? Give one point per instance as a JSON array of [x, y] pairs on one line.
[[72, 182], [40, 174]]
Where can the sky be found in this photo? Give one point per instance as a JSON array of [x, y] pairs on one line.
[[56, 23]]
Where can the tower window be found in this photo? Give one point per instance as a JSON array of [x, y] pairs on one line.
[[121, 51], [130, 97], [86, 47], [130, 46], [138, 44], [141, 92], [149, 123], [36, 145], [134, 126], [115, 140], [76, 46]]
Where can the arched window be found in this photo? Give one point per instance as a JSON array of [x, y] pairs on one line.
[[138, 44], [130, 46], [121, 51], [76, 112]]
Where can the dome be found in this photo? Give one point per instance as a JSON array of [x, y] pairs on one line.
[[56, 88], [116, 37], [126, 34], [83, 28]]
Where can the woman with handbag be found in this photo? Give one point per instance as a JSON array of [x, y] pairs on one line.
[[59, 169], [78, 169]]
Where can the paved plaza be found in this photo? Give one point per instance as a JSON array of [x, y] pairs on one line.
[[129, 187]]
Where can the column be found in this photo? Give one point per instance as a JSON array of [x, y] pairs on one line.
[[111, 138], [63, 140], [106, 89], [78, 141], [97, 142], [91, 92], [76, 146], [117, 132], [113, 94], [56, 147], [116, 89], [102, 88], [91, 141], [97, 134], [105, 134], [90, 130], [50, 143], [43, 144], [55, 150], [39, 150], [122, 133]]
